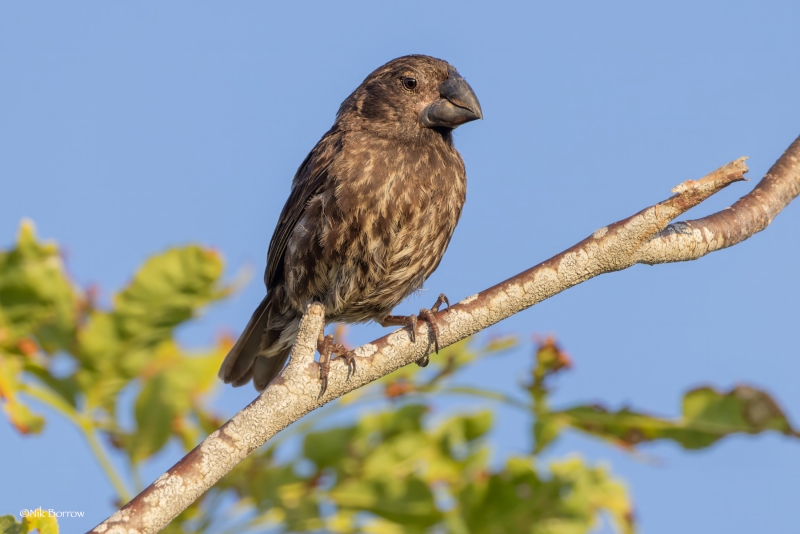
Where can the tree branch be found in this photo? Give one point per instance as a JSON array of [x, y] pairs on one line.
[[646, 237]]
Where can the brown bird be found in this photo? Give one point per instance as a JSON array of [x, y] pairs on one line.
[[370, 214]]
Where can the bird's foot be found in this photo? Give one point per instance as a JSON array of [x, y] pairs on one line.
[[410, 321], [327, 348]]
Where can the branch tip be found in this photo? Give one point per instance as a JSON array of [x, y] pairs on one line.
[[311, 324], [716, 180], [315, 309]]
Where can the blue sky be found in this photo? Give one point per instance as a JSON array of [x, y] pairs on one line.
[[126, 128]]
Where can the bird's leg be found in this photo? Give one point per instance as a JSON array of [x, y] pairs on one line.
[[410, 321], [430, 317], [327, 348]]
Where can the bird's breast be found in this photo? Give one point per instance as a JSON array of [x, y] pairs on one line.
[[385, 218]]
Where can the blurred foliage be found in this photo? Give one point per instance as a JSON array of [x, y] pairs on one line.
[[388, 466], [40, 522], [58, 347]]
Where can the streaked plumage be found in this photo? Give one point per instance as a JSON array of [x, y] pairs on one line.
[[370, 214]]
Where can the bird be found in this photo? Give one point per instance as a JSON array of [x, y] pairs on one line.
[[371, 211]]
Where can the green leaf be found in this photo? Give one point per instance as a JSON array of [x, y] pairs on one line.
[[36, 296], [279, 493], [115, 346], [25, 421], [476, 426], [545, 430], [43, 524], [459, 432], [9, 525], [592, 490], [708, 416], [99, 343], [66, 388], [406, 500], [330, 448], [155, 411], [168, 290], [404, 420], [519, 499], [165, 403]]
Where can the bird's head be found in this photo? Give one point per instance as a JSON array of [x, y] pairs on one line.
[[409, 95]]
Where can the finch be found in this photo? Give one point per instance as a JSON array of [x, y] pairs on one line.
[[370, 214]]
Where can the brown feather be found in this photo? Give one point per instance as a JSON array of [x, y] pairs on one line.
[[369, 217]]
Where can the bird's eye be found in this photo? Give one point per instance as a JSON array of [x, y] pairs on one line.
[[409, 84]]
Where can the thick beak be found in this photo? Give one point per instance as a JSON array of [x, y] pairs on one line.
[[457, 105]]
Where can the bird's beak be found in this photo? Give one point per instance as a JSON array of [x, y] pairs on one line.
[[457, 105]]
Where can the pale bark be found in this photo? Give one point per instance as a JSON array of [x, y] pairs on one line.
[[646, 237]]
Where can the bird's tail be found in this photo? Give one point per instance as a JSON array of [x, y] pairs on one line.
[[262, 349]]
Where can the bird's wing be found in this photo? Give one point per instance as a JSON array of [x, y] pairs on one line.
[[308, 181]]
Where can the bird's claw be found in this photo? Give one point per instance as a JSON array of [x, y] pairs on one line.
[[411, 321], [348, 356], [439, 301], [429, 316], [327, 348]]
